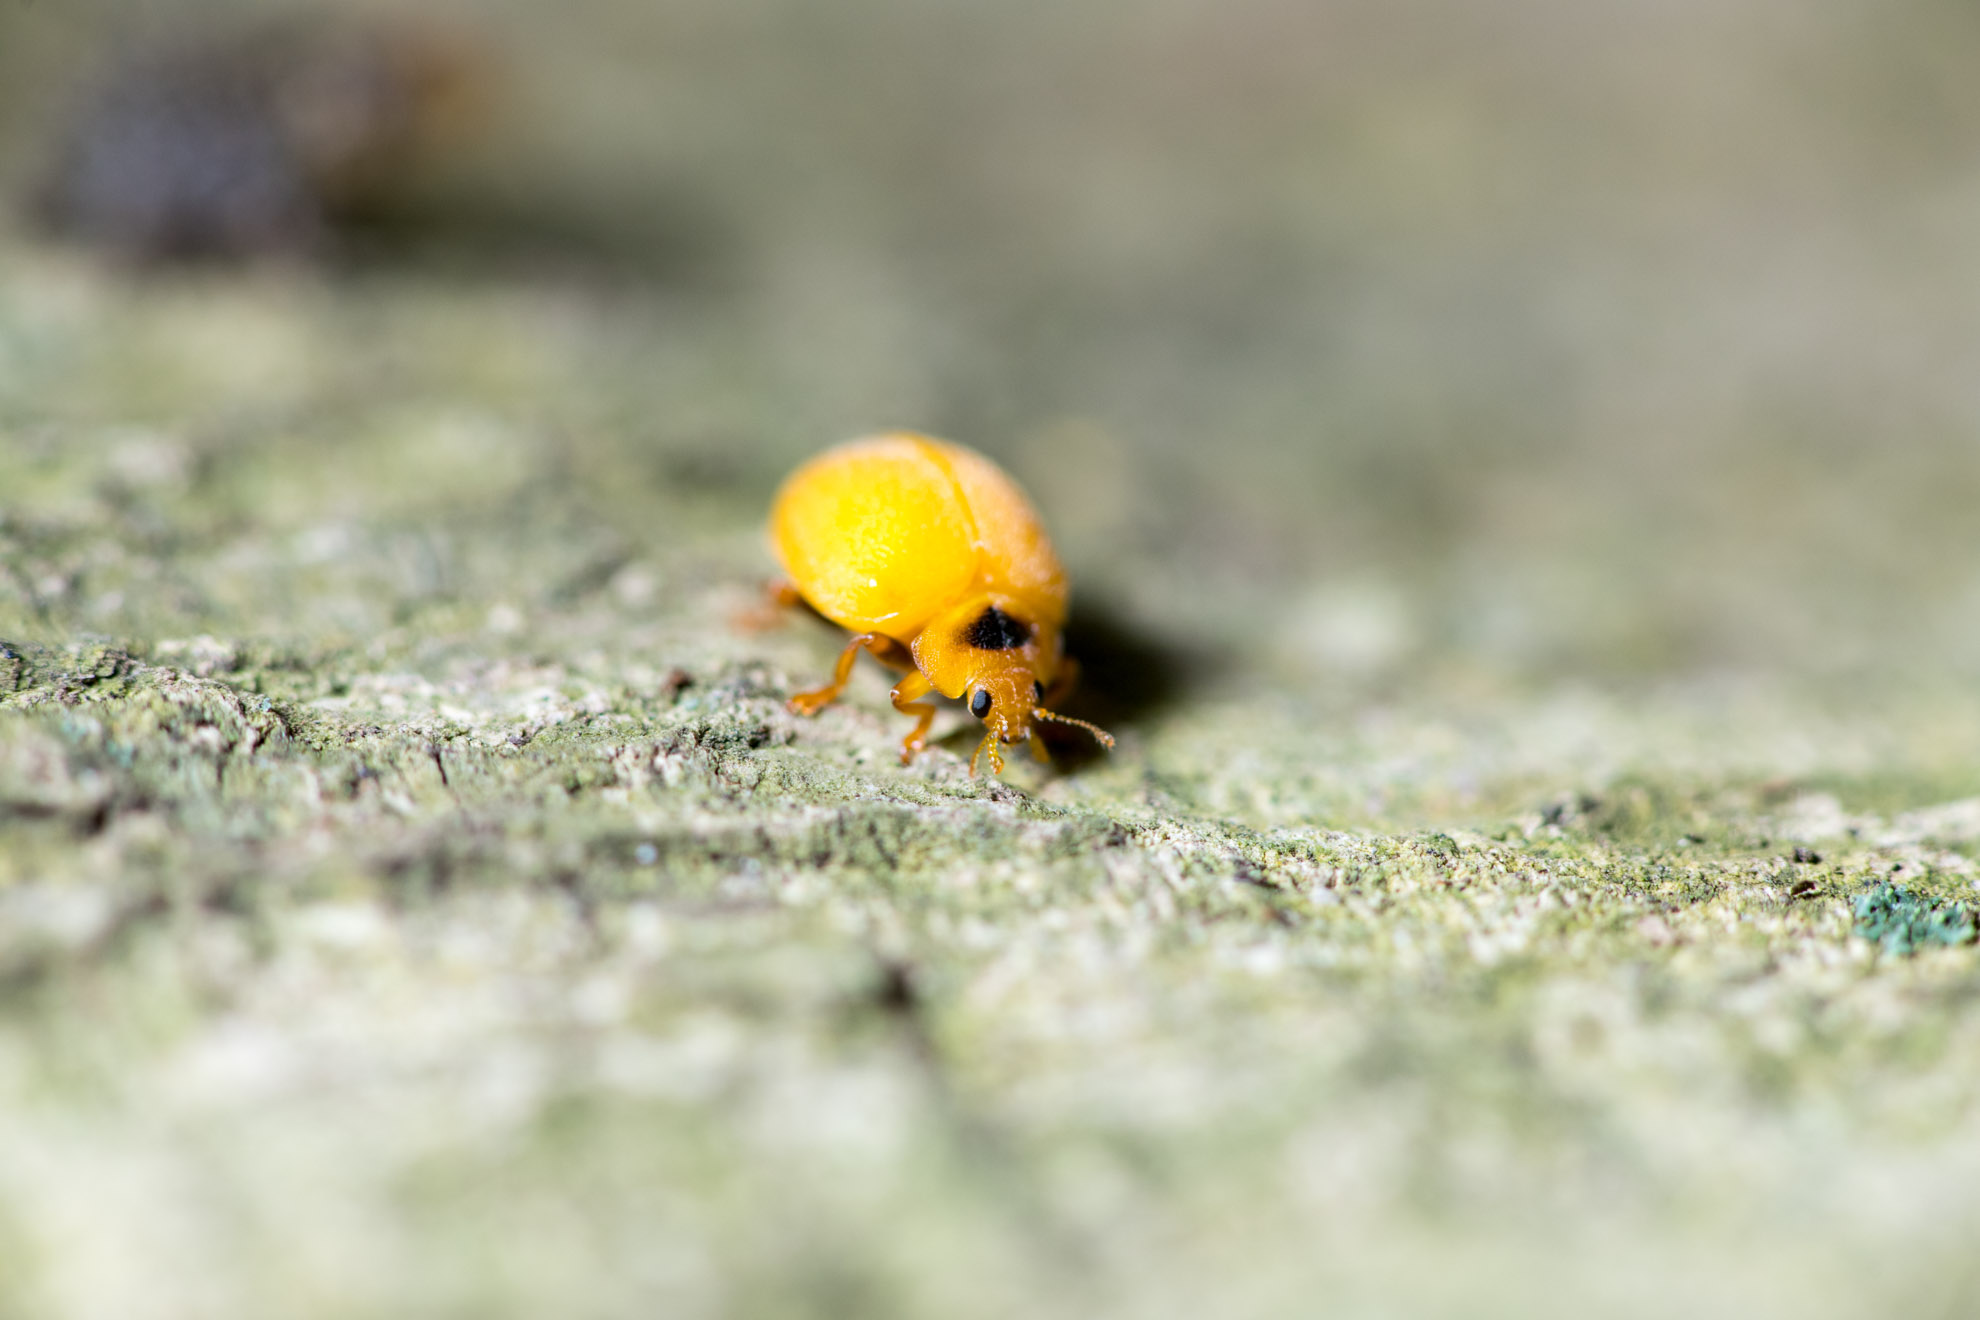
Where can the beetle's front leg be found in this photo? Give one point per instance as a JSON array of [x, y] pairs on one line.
[[905, 697], [779, 598], [810, 703]]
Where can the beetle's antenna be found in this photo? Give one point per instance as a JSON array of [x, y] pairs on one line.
[[1100, 735]]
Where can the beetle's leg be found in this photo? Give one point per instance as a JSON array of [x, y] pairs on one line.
[[810, 703], [778, 597], [1038, 752], [904, 695]]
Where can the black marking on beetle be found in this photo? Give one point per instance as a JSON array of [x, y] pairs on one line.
[[995, 630]]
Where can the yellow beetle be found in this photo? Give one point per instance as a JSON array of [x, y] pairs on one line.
[[937, 563]]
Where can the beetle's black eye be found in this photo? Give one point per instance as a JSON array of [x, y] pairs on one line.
[[979, 705], [1037, 690]]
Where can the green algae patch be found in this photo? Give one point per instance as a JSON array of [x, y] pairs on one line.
[[1902, 922]]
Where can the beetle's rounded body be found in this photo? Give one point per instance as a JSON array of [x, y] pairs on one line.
[[938, 563]]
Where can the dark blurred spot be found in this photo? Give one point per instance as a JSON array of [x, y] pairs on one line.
[[173, 158], [229, 145], [896, 991], [379, 144]]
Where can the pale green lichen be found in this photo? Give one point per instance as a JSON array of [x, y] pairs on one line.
[[1903, 923]]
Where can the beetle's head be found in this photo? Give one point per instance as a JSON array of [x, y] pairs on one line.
[[1008, 699]]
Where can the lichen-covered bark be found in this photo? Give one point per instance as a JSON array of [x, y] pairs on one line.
[[419, 899], [416, 899]]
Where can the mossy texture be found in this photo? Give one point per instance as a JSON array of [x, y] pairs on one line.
[[1536, 872]]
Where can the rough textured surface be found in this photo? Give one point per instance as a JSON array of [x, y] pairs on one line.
[[1521, 525]]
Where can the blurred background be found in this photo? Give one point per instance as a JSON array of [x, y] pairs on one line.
[[1517, 461], [1562, 339]]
